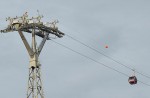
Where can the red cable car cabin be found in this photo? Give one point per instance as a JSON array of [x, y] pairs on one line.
[[132, 80]]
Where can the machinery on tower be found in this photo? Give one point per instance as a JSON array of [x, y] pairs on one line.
[[24, 23]]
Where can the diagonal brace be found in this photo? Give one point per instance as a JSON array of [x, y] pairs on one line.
[[42, 43], [30, 51]]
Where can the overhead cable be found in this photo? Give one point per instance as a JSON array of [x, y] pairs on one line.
[[107, 56], [111, 68]]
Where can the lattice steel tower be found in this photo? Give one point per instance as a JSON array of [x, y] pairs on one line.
[[36, 28]]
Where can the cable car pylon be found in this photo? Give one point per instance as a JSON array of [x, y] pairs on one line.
[[36, 28]]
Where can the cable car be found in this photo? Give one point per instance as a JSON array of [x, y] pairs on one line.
[[132, 80]]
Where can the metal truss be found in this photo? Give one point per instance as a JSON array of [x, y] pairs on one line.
[[36, 28]]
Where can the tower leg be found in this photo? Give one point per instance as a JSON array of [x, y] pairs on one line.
[[35, 88]]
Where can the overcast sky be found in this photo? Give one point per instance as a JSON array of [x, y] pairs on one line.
[[123, 25]]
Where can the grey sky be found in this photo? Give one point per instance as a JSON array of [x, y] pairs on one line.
[[121, 24]]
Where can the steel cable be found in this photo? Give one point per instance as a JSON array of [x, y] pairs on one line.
[[107, 56], [97, 61]]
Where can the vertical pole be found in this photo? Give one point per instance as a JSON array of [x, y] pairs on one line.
[[33, 40], [34, 82], [33, 66]]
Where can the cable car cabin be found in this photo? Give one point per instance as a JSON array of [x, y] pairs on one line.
[[132, 80]]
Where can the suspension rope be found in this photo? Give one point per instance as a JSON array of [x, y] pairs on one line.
[[111, 68], [107, 56]]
